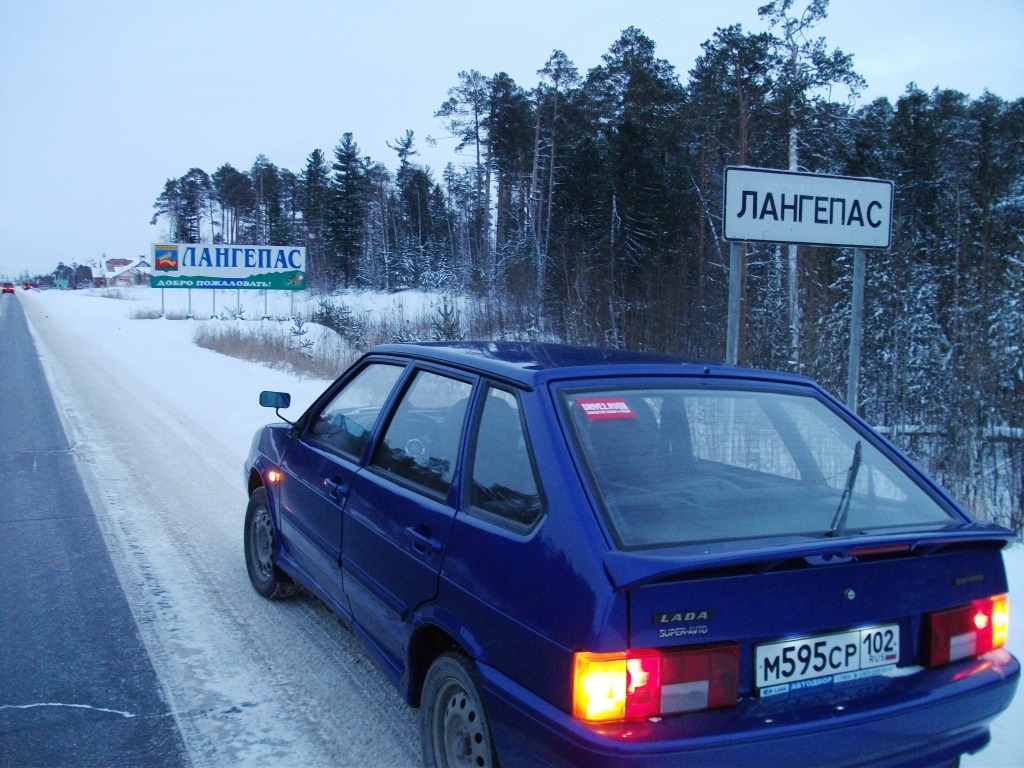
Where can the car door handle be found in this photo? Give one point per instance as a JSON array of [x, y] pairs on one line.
[[336, 487], [422, 541]]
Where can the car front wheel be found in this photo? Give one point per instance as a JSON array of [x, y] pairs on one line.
[[454, 727], [267, 579]]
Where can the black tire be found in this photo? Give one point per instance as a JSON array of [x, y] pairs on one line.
[[267, 579], [454, 728]]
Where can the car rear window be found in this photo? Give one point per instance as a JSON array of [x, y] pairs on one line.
[[674, 465]]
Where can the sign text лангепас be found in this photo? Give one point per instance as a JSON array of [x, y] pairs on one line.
[[807, 208], [181, 265]]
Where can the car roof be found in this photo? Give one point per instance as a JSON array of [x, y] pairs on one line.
[[530, 364]]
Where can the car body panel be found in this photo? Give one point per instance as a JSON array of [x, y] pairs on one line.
[[414, 567], [718, 607], [394, 545], [905, 723], [312, 495]]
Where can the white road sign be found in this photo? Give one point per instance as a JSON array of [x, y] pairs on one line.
[[771, 206]]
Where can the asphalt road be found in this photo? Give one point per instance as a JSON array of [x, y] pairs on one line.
[[77, 687]]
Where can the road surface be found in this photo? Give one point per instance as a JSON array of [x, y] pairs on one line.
[[245, 680], [78, 687]]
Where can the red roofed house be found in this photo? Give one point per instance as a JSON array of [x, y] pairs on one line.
[[121, 272]]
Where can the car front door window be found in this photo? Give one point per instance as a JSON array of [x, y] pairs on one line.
[[345, 423]]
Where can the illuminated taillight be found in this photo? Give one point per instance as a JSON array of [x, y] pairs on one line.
[[967, 630], [648, 683]]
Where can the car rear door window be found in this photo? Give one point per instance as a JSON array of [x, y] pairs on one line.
[[345, 423], [421, 444], [504, 485]]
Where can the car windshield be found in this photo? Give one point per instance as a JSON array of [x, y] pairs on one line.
[[676, 465]]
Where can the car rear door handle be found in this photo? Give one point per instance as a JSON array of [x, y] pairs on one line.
[[336, 487], [422, 541]]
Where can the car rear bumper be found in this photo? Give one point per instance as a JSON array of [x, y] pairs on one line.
[[928, 718]]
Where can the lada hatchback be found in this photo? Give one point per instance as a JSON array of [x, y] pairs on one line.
[[570, 556]]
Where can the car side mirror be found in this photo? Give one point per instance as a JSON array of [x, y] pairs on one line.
[[276, 400]]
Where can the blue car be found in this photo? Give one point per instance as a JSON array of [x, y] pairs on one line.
[[569, 556]]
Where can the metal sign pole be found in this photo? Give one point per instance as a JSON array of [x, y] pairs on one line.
[[856, 328], [761, 205], [732, 338]]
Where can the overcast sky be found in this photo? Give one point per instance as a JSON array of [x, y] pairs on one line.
[[102, 101]]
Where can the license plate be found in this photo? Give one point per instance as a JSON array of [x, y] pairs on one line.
[[835, 657]]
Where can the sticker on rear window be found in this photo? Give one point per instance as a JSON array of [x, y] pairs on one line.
[[598, 408]]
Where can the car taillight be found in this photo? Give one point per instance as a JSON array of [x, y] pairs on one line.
[[649, 683], [967, 630]]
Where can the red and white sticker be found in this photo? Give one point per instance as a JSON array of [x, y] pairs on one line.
[[599, 408]]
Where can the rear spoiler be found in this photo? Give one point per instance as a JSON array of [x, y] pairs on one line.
[[629, 569]]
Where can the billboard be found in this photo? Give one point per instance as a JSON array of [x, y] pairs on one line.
[[770, 206], [198, 265]]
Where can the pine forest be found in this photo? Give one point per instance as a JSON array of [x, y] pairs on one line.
[[586, 208]]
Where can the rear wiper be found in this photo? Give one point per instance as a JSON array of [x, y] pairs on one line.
[[839, 521]]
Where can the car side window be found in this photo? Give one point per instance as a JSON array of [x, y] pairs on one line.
[[345, 423], [503, 482], [421, 444]]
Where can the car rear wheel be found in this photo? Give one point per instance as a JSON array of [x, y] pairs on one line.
[[267, 579], [454, 727]]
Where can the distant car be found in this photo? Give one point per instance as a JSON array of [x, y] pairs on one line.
[[8, 288], [571, 556]]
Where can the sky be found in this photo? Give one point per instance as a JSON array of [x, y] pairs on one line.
[[102, 102]]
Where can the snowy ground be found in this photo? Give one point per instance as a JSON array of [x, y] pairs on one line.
[[160, 428]]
